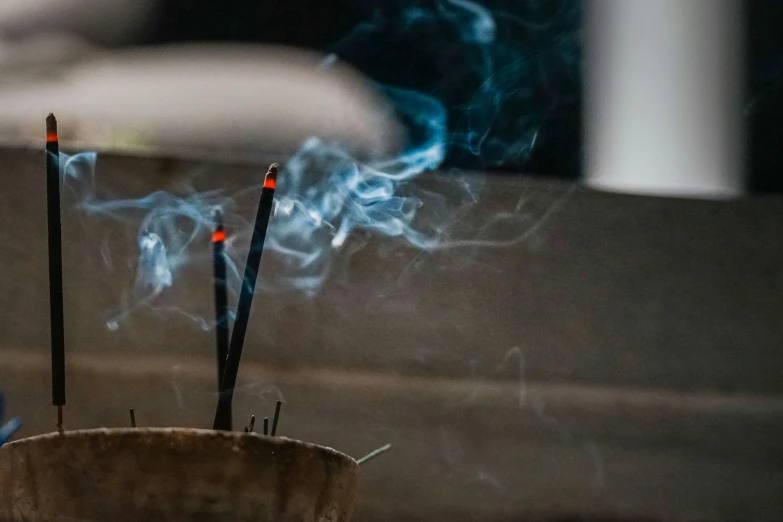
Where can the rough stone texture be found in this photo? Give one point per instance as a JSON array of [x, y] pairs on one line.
[[173, 475]]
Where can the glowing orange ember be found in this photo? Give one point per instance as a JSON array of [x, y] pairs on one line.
[[219, 235], [51, 136], [270, 181]]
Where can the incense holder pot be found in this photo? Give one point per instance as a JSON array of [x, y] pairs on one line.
[[173, 474]]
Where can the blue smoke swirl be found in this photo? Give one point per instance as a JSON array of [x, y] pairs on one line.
[[484, 102]]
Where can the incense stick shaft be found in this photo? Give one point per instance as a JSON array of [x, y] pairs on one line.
[[57, 326], [133, 418], [223, 411], [277, 416], [221, 296], [374, 454]]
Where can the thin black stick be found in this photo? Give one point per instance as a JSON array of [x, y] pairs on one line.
[[57, 323], [277, 416], [221, 296], [374, 454], [133, 418], [266, 425], [252, 425], [226, 396]]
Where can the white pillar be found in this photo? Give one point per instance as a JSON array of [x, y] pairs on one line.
[[663, 96]]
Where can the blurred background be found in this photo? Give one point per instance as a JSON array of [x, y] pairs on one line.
[[538, 53], [470, 256]]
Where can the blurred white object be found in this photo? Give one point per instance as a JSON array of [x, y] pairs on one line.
[[216, 97], [44, 55], [664, 96], [104, 21]]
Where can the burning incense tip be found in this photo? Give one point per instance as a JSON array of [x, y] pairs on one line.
[[51, 128], [252, 423], [133, 418], [277, 416], [374, 454], [219, 235], [270, 181], [220, 232]]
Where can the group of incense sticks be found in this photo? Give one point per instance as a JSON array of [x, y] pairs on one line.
[[229, 347], [251, 427]]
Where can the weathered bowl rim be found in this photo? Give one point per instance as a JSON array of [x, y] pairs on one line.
[[194, 432]]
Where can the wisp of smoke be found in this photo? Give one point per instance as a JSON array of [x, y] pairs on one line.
[[325, 195]]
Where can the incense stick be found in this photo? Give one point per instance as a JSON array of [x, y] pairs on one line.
[[133, 418], [226, 396], [57, 323], [252, 425], [266, 425], [277, 416], [374, 454], [221, 295]]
